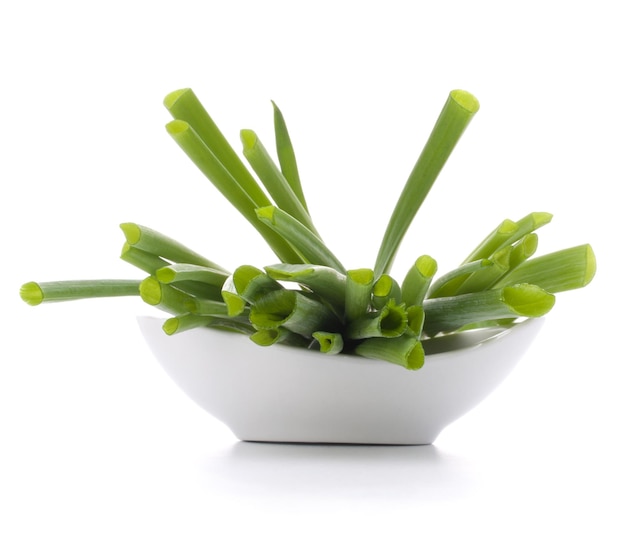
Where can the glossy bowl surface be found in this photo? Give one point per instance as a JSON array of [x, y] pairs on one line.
[[284, 394]]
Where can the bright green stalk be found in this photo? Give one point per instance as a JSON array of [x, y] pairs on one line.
[[359, 284], [287, 156], [501, 234], [406, 350], [451, 313], [418, 279], [280, 335], [271, 176], [185, 322], [523, 250], [390, 321], [292, 310], [235, 304], [165, 297], [324, 281], [330, 343], [204, 306], [156, 243], [58, 291], [145, 261], [564, 270], [178, 324], [184, 105], [415, 319], [456, 114], [252, 283], [448, 284], [385, 289], [508, 232], [189, 272], [485, 278], [310, 247], [212, 168]]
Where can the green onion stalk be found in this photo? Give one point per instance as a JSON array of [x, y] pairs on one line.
[[309, 298]]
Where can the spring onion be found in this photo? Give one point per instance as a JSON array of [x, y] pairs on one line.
[[309, 298]]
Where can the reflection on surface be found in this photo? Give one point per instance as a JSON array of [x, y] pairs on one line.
[[281, 470]]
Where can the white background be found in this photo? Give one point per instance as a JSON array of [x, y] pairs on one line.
[[93, 435]]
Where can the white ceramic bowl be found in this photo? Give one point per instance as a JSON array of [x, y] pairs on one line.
[[284, 394]]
